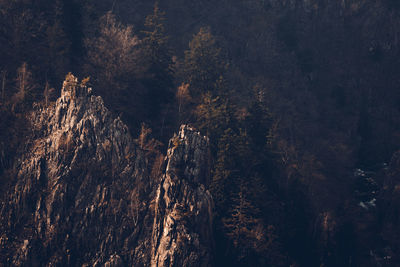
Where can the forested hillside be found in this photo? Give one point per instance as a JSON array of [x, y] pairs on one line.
[[299, 99]]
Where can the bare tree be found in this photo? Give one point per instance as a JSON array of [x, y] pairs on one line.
[[111, 54]]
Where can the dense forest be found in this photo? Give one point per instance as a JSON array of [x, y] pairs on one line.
[[300, 100]]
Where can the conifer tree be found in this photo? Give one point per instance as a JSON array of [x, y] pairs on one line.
[[19, 28], [242, 226], [214, 114], [204, 64], [57, 48], [232, 164], [156, 62]]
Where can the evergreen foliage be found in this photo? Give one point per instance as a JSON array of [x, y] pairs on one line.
[[156, 61], [279, 157], [204, 63]]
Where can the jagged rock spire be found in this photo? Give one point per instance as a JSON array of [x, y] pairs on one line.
[[82, 194], [182, 232]]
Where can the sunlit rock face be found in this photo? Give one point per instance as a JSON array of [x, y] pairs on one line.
[[82, 195], [182, 227]]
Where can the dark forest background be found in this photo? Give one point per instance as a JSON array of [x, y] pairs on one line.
[[300, 100]]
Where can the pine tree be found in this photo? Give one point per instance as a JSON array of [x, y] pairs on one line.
[[57, 48], [72, 25], [242, 223], [224, 173], [155, 34], [258, 125], [19, 30], [156, 62], [233, 159], [204, 65], [213, 115]]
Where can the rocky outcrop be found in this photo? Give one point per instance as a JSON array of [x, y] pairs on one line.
[[81, 194], [182, 227]]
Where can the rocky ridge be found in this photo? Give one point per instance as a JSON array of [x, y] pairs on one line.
[[82, 194], [182, 233]]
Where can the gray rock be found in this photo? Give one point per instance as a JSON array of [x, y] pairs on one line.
[[182, 233], [82, 194]]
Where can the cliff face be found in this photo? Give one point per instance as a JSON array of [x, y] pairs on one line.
[[82, 194], [183, 215]]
